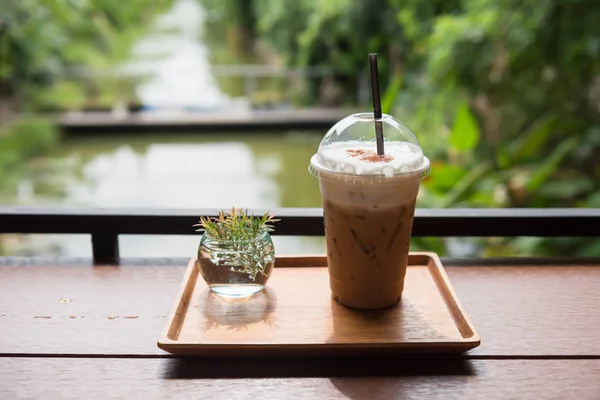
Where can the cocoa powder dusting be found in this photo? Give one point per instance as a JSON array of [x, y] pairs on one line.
[[355, 153], [369, 155]]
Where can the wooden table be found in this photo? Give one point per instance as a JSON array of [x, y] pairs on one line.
[[71, 330]]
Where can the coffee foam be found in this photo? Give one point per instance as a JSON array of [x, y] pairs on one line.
[[401, 157]]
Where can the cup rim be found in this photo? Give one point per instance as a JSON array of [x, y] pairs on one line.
[[369, 116], [345, 177]]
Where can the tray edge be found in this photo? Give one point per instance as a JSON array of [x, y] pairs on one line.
[[164, 339], [465, 344], [451, 296]]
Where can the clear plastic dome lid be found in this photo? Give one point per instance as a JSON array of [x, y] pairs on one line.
[[350, 148]]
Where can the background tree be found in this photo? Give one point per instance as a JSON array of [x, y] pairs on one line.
[[504, 95], [41, 39]]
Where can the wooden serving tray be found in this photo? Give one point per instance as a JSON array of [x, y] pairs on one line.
[[296, 316]]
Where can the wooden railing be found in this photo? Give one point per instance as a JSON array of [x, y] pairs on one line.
[[105, 225]]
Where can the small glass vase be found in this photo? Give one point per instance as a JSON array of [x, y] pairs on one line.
[[236, 269]]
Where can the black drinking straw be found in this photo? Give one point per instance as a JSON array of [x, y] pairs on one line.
[[376, 103]]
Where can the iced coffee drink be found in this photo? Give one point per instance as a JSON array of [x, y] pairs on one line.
[[368, 205]]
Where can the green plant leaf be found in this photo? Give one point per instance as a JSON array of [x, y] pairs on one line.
[[552, 163], [465, 132], [532, 139], [444, 176], [593, 200], [591, 249], [566, 188], [466, 183], [503, 158], [391, 93]]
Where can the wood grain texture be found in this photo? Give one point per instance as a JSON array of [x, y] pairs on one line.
[[532, 310], [286, 319], [529, 311], [31, 378], [93, 317]]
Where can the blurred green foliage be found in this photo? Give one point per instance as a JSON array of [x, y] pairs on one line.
[[33, 136], [504, 95], [19, 143], [41, 39]]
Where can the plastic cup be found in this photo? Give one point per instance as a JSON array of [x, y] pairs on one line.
[[368, 207]]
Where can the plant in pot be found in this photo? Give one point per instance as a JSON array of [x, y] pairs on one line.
[[236, 254]]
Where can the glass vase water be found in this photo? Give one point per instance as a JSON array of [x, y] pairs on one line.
[[236, 269]]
